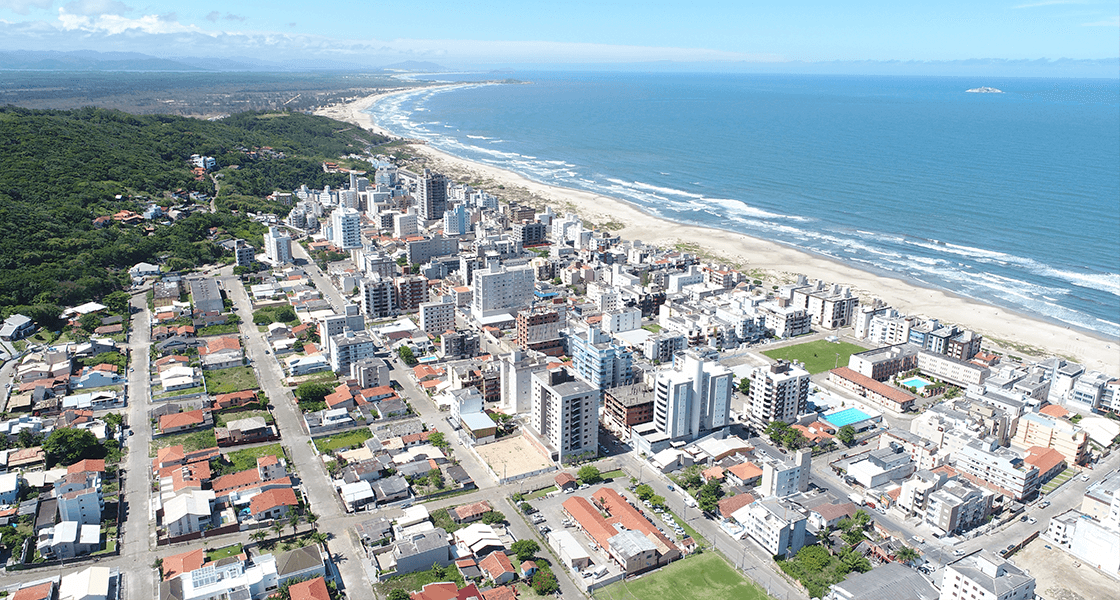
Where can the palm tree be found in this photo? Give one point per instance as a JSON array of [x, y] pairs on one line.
[[278, 527], [258, 535], [311, 517], [293, 521], [319, 538], [906, 555]]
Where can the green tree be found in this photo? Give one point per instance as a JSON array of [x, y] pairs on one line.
[[28, 439], [68, 446], [644, 492], [657, 501], [117, 302], [277, 528], [492, 517], [319, 538], [745, 386], [691, 478], [525, 549], [311, 392], [398, 594], [708, 496], [906, 555], [89, 322], [544, 583], [406, 355], [435, 479], [437, 439], [776, 431], [846, 434], [590, 474], [258, 535], [525, 507]]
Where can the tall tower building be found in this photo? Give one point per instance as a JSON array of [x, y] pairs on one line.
[[779, 392], [346, 228], [693, 398], [565, 413], [432, 196], [277, 246]]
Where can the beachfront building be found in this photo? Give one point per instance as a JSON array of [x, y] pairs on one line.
[[431, 198]]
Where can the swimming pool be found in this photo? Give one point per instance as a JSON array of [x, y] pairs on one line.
[[917, 383], [847, 416]]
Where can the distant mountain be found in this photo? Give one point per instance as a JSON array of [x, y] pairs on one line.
[[414, 66], [83, 60]]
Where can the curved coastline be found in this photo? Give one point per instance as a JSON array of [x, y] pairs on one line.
[[1022, 332]]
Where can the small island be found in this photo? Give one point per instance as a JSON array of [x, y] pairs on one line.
[[984, 90]]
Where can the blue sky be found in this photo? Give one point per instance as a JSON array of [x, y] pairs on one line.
[[495, 33]]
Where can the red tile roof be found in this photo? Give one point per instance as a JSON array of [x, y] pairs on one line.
[[745, 471], [884, 390], [1043, 458], [90, 464], [183, 419], [183, 563], [715, 472], [43, 591], [225, 342], [1053, 410], [504, 592], [236, 481], [271, 499], [316, 589], [496, 564], [475, 509], [729, 505], [564, 479]]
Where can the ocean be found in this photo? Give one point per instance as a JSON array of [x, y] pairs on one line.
[[1009, 198]]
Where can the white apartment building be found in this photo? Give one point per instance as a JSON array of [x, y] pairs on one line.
[[605, 297], [779, 392], [785, 320], [983, 576], [775, 524], [692, 398], [348, 348], [277, 246], [783, 475], [957, 506], [1000, 468], [378, 296], [346, 228], [405, 225], [565, 413], [437, 317], [499, 290], [621, 320], [516, 370], [947, 368], [889, 330]]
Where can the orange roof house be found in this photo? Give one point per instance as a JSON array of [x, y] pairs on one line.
[[730, 504], [316, 589], [498, 567], [183, 563], [89, 464], [1054, 410], [273, 501], [43, 591]]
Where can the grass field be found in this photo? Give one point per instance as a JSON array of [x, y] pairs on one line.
[[343, 440], [233, 379], [241, 460], [704, 577], [191, 441], [226, 552], [818, 356], [221, 419]]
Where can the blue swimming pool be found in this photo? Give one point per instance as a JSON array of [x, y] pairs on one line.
[[917, 383], [847, 416]]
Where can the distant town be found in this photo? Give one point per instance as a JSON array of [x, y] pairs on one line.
[[413, 389]]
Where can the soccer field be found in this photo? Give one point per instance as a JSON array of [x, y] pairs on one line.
[[818, 356], [704, 577]]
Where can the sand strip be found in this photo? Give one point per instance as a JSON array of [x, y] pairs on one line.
[[1004, 330]]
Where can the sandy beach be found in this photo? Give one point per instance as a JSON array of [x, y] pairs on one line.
[[1004, 330]]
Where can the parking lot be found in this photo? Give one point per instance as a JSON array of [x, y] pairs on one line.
[[549, 515]]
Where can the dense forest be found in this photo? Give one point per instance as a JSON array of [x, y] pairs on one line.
[[61, 169]]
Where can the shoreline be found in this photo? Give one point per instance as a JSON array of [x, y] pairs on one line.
[[1004, 329]]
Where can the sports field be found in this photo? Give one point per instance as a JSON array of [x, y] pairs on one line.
[[818, 356], [704, 577]]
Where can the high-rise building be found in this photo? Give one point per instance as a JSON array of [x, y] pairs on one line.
[[540, 330], [692, 398], [516, 369], [346, 228], [243, 252], [277, 246], [432, 195], [350, 320], [501, 290], [456, 221], [404, 225], [437, 317], [348, 348], [377, 296], [565, 413], [411, 291], [998, 468], [599, 360], [779, 392]]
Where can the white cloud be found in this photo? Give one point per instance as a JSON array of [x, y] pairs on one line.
[[23, 7], [96, 7], [1113, 22], [116, 24]]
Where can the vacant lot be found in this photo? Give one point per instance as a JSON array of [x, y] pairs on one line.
[[240, 460], [341, 441], [704, 577], [194, 440], [512, 456], [233, 379], [1057, 578], [818, 356]]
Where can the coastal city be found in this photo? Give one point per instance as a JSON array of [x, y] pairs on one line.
[[411, 387]]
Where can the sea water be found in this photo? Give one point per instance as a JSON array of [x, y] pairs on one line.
[[1010, 198]]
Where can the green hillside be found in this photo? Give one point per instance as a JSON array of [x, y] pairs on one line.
[[61, 169]]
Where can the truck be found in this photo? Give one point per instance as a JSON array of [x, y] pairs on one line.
[[856, 499]]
